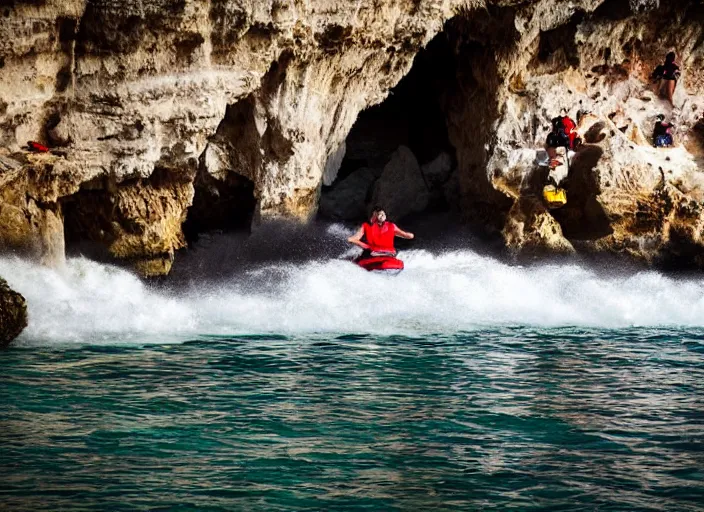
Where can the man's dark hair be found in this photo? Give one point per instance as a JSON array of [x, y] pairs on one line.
[[377, 209], [670, 57]]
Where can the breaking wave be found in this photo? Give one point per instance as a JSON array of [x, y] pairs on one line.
[[89, 302]]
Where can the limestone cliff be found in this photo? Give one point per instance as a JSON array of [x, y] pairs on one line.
[[13, 314], [624, 196], [213, 113]]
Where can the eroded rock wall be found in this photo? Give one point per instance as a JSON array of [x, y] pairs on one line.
[[624, 196], [130, 87], [246, 105]]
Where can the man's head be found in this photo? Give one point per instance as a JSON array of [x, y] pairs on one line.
[[660, 118], [378, 215], [670, 57], [563, 112]]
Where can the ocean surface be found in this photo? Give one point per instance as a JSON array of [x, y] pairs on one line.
[[463, 383]]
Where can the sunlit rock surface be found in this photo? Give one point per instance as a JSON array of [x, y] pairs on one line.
[[217, 114]]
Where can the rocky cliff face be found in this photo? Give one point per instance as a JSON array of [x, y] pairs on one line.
[[13, 314], [220, 113], [624, 196]]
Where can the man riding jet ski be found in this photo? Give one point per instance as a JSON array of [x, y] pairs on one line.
[[379, 252]]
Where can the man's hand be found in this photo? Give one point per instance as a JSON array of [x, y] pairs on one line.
[[356, 239]]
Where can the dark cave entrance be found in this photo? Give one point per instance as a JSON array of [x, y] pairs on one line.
[[88, 216], [220, 205], [557, 50], [224, 201], [411, 117]]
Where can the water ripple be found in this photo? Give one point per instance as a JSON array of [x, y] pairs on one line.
[[505, 419]]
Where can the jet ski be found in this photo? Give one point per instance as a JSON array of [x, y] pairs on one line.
[[380, 262]]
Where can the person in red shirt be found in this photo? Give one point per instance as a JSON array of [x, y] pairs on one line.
[[379, 235]]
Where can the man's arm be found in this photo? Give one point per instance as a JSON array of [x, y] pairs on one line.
[[356, 239], [403, 234]]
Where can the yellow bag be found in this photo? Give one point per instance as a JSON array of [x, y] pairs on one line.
[[554, 196]]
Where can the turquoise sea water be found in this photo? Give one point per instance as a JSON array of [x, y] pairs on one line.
[[463, 383], [503, 418]]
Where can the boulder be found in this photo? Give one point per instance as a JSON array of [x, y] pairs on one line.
[[348, 199], [13, 314], [437, 171], [401, 189]]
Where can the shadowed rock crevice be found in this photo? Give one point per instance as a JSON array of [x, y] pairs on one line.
[[224, 197], [67, 35], [613, 10], [557, 48], [583, 217], [136, 221], [695, 142], [224, 205], [412, 114], [680, 254], [483, 43], [235, 147]]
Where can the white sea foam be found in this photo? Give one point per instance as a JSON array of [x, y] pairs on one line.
[[95, 303]]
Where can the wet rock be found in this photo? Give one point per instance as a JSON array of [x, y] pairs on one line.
[[401, 188], [13, 314], [348, 199], [31, 220], [437, 171]]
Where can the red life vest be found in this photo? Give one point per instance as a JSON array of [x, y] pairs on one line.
[[380, 238]]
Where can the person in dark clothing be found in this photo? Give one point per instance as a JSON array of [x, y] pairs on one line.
[[557, 139], [662, 133], [667, 74]]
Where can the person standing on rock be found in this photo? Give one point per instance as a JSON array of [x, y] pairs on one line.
[[379, 235], [668, 74]]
